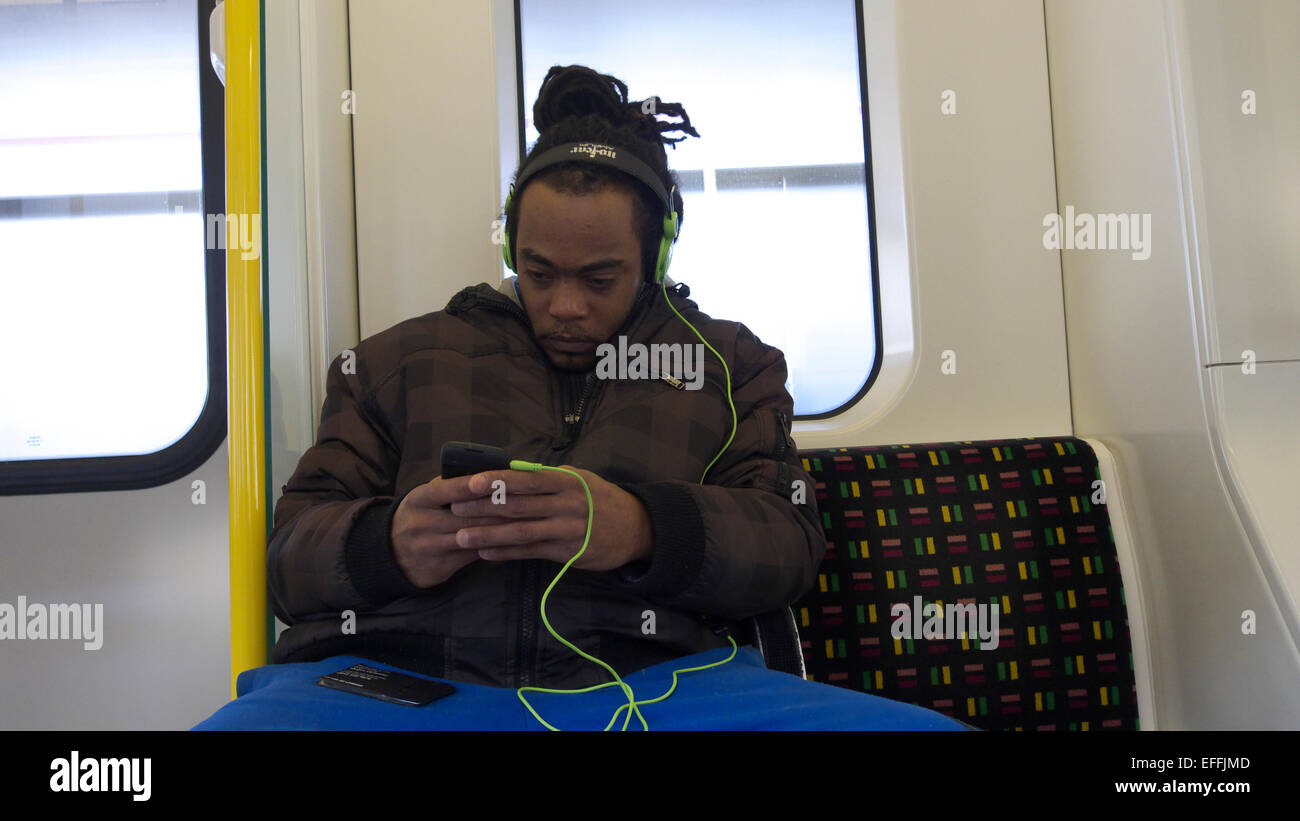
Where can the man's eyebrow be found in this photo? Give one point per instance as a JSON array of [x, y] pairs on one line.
[[601, 265]]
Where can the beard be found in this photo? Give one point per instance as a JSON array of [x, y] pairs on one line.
[[570, 349]]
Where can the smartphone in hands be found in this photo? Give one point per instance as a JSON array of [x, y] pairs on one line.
[[465, 458]]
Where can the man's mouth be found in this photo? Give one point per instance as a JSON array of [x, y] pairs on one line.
[[571, 344]]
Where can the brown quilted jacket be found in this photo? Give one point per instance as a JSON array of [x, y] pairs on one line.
[[731, 548]]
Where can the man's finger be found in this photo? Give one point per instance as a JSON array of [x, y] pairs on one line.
[[451, 524], [524, 506], [508, 554], [555, 551], [440, 492], [520, 481], [520, 533]]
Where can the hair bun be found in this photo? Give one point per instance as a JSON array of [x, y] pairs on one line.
[[577, 91]]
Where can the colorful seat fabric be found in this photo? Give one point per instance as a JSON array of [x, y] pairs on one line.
[[1019, 525]]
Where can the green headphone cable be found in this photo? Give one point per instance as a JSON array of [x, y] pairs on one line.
[[632, 166], [664, 283], [633, 706]]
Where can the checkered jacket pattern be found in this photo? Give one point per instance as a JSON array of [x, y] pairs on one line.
[[747, 540]]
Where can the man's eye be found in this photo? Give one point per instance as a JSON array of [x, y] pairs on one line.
[[600, 284], [539, 277]]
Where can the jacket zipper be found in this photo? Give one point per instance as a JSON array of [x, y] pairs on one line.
[[780, 435], [529, 646], [573, 419], [783, 472], [527, 623], [533, 579], [530, 573]]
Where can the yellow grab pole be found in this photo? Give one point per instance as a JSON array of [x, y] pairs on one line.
[[248, 639]]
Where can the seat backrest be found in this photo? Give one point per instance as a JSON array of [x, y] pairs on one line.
[[1013, 527]]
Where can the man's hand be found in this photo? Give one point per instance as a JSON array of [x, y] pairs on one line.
[[424, 531], [546, 515]]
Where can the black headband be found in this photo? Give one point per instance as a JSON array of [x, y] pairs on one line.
[[598, 154]]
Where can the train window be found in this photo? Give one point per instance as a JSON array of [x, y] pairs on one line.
[[112, 319], [777, 230]]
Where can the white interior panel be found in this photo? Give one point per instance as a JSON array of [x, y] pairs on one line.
[[158, 562], [1238, 63], [328, 106], [290, 400], [1138, 380], [426, 139], [1262, 448]]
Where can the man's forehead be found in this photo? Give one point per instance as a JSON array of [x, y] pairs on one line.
[[603, 195], [583, 230], [532, 255]]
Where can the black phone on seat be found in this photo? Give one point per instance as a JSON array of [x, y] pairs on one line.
[[386, 685]]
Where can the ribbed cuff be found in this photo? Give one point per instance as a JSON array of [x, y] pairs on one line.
[[369, 558], [678, 538]]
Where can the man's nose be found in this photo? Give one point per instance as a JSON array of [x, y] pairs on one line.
[[568, 301]]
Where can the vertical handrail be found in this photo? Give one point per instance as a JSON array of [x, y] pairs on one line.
[[244, 309]]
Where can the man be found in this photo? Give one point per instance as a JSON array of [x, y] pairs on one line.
[[701, 515], [445, 576]]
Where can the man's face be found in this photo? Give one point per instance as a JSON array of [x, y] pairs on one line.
[[579, 264]]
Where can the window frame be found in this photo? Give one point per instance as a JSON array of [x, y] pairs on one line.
[[105, 473]]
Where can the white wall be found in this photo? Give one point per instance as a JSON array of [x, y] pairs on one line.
[[159, 565], [1204, 452], [428, 143]]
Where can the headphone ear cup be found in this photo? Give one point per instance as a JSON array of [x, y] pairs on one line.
[[505, 232], [666, 248]]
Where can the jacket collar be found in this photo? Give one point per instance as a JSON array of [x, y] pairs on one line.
[[509, 288], [647, 317]]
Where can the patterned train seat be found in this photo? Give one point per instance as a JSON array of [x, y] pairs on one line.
[[925, 542]]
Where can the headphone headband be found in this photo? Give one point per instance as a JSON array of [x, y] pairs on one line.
[[598, 154]]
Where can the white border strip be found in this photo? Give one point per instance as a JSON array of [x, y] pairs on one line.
[[328, 195], [1134, 597]]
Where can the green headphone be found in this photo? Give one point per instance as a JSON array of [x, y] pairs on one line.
[[607, 155]]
